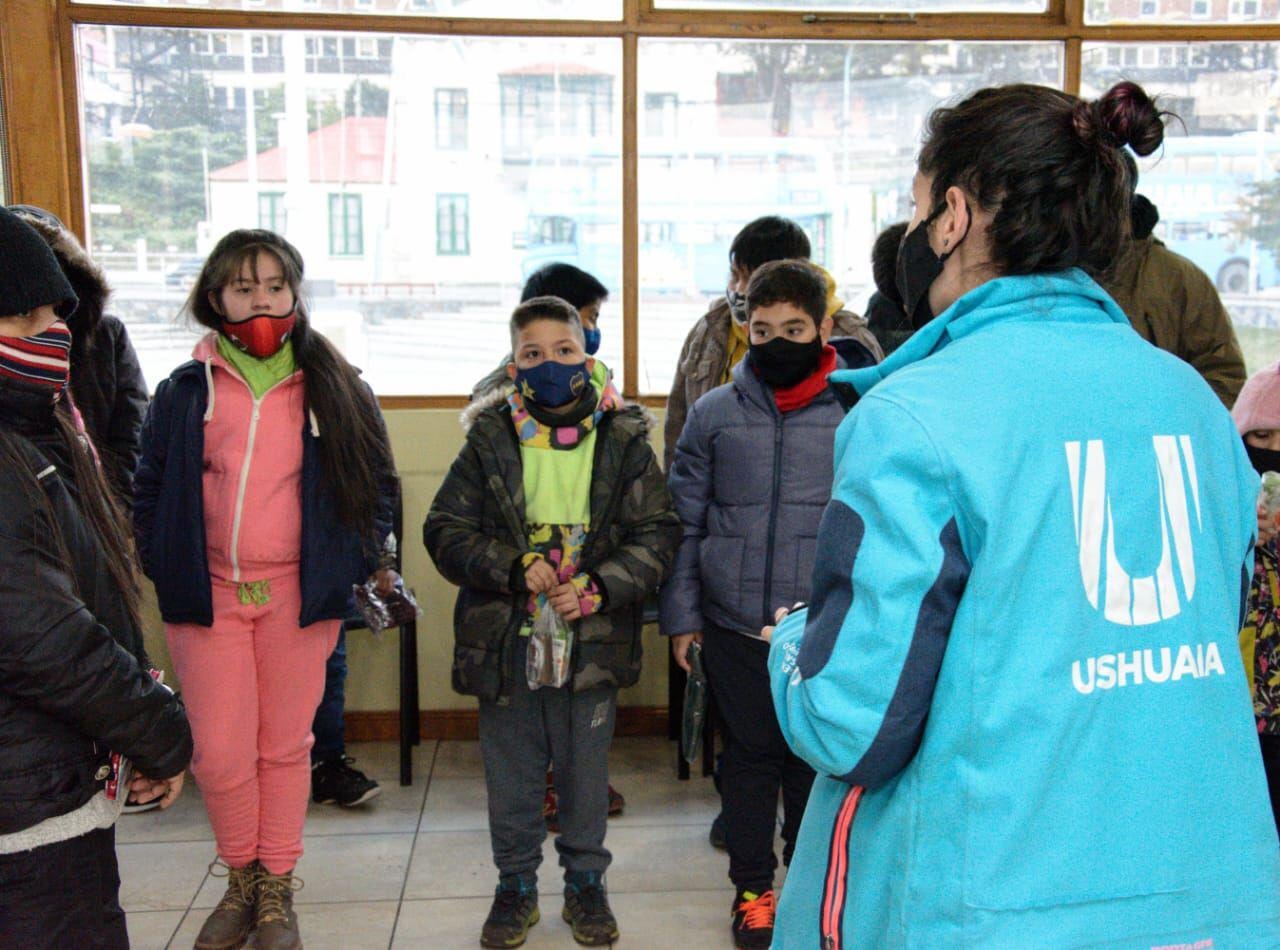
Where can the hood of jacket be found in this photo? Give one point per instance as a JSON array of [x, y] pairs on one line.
[[1069, 296], [87, 279]]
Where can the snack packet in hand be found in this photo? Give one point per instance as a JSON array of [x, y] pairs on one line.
[[381, 611]]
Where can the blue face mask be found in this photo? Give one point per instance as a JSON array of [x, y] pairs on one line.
[[553, 384], [593, 340]]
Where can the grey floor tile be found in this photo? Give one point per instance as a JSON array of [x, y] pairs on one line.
[[691, 919], [665, 858], [456, 804], [342, 869], [152, 929], [652, 756], [455, 925], [397, 808], [184, 820], [362, 925], [458, 760], [664, 800], [452, 864], [162, 876]]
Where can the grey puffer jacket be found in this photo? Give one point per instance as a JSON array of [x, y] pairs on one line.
[[750, 485]]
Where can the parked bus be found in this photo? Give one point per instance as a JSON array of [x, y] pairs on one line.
[[1200, 184]]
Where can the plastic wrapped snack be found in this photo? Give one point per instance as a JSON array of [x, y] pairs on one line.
[[695, 704], [1270, 497], [381, 611], [549, 658]]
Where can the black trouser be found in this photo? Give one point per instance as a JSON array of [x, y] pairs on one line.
[[757, 760], [63, 895], [1271, 762]]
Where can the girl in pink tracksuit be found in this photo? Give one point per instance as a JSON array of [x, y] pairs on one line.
[[264, 493]]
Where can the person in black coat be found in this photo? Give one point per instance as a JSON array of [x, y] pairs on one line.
[[76, 693], [106, 378], [885, 315]]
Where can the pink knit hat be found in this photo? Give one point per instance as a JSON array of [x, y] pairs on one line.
[[1258, 406]]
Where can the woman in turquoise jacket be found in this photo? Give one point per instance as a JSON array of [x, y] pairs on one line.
[[1017, 677]]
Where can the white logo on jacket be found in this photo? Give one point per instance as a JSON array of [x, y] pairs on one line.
[[1136, 601]]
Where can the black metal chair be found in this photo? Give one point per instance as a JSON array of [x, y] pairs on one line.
[[410, 731]]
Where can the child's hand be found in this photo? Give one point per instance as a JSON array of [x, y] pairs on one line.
[[385, 580], [540, 577], [143, 790], [564, 600], [680, 644], [766, 633]]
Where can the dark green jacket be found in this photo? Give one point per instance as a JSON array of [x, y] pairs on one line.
[[475, 534], [1174, 305]]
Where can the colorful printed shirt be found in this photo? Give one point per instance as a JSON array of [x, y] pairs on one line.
[[558, 464], [1260, 639]]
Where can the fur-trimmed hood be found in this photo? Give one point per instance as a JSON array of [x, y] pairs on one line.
[[87, 279], [496, 397]]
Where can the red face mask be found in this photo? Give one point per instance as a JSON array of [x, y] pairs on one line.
[[261, 336]]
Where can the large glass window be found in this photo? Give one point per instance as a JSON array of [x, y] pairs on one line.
[[1216, 182], [1182, 11], [328, 144], [451, 118], [824, 133], [485, 9], [862, 6]]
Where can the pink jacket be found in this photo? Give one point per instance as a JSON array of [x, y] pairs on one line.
[[252, 472]]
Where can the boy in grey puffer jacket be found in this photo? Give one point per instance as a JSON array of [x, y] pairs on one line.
[[751, 477]]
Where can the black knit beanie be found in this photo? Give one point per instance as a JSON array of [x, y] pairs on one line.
[[29, 273]]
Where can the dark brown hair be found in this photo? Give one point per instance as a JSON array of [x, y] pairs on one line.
[[354, 453], [1047, 166], [795, 282], [103, 516], [545, 308]]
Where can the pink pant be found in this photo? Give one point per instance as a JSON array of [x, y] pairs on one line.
[[251, 683]]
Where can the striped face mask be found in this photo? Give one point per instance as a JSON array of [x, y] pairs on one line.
[[43, 359]]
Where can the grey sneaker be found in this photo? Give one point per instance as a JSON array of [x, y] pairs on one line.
[[513, 912]]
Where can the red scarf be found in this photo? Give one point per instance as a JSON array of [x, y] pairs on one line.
[[809, 388]]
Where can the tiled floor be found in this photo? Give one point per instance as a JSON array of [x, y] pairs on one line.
[[413, 868]]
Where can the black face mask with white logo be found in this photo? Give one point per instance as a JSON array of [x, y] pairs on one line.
[[1264, 460], [781, 363], [918, 268]]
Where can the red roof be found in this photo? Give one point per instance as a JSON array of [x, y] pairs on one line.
[[550, 69], [350, 151]]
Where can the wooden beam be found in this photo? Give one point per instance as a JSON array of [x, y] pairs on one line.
[[630, 219], [43, 159]]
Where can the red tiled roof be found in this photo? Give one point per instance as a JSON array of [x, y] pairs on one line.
[[350, 151], [550, 69]]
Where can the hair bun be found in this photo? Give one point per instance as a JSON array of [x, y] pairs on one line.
[[1127, 115]]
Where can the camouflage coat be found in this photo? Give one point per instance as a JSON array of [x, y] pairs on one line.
[[475, 534]]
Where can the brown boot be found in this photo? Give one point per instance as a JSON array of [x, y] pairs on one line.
[[274, 920], [228, 926]]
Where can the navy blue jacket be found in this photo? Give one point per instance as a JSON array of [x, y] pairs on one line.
[[168, 514]]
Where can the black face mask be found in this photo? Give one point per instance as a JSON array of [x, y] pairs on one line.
[[781, 363], [918, 267], [1264, 460]]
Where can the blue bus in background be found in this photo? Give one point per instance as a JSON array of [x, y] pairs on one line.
[[1200, 183], [694, 197]]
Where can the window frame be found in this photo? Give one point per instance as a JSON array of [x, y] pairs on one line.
[[345, 201], [46, 160], [449, 200]]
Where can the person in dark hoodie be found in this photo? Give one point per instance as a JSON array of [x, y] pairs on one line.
[[1172, 303], [751, 477], [106, 379], [886, 317], [74, 678]]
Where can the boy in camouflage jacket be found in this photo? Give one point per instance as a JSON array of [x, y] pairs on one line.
[[556, 501]]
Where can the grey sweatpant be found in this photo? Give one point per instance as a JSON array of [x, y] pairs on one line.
[[519, 736]]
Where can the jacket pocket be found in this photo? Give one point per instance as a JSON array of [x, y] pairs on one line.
[[720, 567]]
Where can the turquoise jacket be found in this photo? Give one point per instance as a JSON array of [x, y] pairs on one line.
[[1022, 645]]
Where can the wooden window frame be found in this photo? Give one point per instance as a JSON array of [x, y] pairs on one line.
[[38, 80]]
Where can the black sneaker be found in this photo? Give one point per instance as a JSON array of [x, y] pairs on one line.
[[753, 915], [717, 837], [512, 914], [586, 910], [336, 783]]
